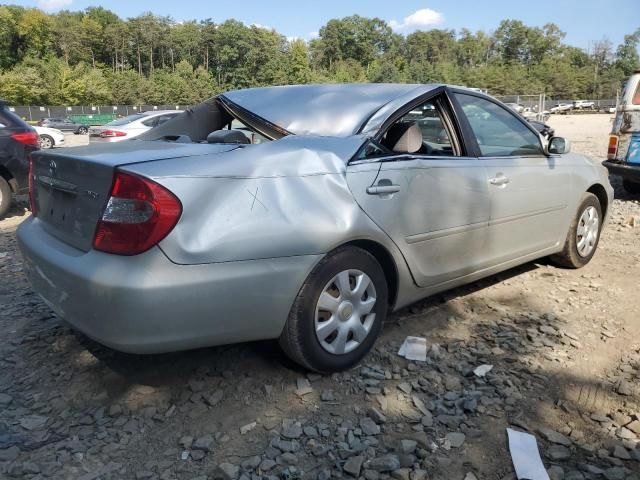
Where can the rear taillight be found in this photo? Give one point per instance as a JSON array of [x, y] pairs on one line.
[[139, 214], [612, 150], [26, 138], [112, 133], [32, 193]]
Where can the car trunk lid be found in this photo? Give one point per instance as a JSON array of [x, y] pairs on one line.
[[72, 188]]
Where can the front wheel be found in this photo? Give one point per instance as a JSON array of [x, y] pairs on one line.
[[584, 234], [46, 142], [338, 312], [631, 187], [82, 131]]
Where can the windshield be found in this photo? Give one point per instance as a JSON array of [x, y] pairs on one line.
[[126, 120]]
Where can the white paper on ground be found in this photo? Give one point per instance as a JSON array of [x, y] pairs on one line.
[[414, 348], [482, 370], [525, 456]]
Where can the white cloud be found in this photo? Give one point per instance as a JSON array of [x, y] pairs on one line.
[[53, 4], [418, 20]]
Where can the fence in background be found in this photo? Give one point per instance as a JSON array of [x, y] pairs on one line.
[[34, 113]]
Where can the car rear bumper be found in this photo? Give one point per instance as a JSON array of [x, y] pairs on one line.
[[628, 171], [147, 304], [96, 139]]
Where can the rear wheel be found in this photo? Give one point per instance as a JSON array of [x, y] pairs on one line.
[[46, 142], [338, 312], [631, 187], [584, 234], [5, 197], [82, 130]]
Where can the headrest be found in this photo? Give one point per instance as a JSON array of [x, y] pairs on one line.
[[405, 137], [228, 136]]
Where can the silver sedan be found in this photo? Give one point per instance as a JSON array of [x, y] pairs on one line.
[[355, 201]]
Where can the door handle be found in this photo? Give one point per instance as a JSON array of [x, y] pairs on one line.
[[499, 180], [383, 189]]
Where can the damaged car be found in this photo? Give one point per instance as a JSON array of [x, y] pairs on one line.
[[301, 213]]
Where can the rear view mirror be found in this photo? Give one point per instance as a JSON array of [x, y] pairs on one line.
[[559, 145]]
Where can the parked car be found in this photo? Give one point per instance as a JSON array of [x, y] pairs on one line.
[[191, 236], [515, 107], [583, 104], [17, 141], [561, 108], [130, 126], [64, 124], [49, 137], [623, 155]]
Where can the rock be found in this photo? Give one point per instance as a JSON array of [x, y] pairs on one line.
[[287, 458], [427, 420], [625, 433], [625, 388], [401, 474], [9, 454], [614, 473], [419, 404], [33, 422], [621, 453], [408, 446], [376, 415], [267, 464], [555, 473], [291, 429], [558, 452], [142, 474], [353, 465], [303, 387], [228, 471], [634, 427], [470, 476], [405, 387], [456, 439], [213, 399], [324, 474], [574, 475], [386, 463], [327, 396], [186, 442], [247, 428], [204, 443], [5, 399], [555, 437], [419, 475], [310, 432], [30, 467], [369, 427], [251, 463]]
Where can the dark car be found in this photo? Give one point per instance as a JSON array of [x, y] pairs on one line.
[[17, 141], [65, 124]]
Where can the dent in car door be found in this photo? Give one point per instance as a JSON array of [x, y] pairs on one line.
[[435, 209]]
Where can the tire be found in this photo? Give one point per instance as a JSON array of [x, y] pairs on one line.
[[82, 131], [46, 142], [339, 331], [576, 253], [5, 197], [631, 187]]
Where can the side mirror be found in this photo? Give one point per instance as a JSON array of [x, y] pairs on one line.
[[559, 145]]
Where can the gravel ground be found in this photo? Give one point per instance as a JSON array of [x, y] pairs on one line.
[[564, 345]]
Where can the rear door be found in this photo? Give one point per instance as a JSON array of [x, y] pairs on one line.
[[529, 190], [433, 203]]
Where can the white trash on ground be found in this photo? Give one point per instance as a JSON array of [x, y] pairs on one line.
[[414, 348], [526, 456]]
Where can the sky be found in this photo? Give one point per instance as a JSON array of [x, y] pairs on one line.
[[584, 21]]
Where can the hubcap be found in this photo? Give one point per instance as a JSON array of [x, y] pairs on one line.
[[45, 142], [344, 312], [587, 231]]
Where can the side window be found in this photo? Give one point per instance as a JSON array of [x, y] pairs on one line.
[[499, 132], [165, 118], [152, 122], [421, 131]]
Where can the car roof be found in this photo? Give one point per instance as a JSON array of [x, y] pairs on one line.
[[325, 109]]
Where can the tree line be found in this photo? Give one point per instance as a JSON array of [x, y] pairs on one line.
[[95, 57]]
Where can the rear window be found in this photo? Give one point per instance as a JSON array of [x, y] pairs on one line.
[[9, 119], [126, 120]]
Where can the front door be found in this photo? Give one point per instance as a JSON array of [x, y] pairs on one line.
[[428, 197], [528, 189]]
